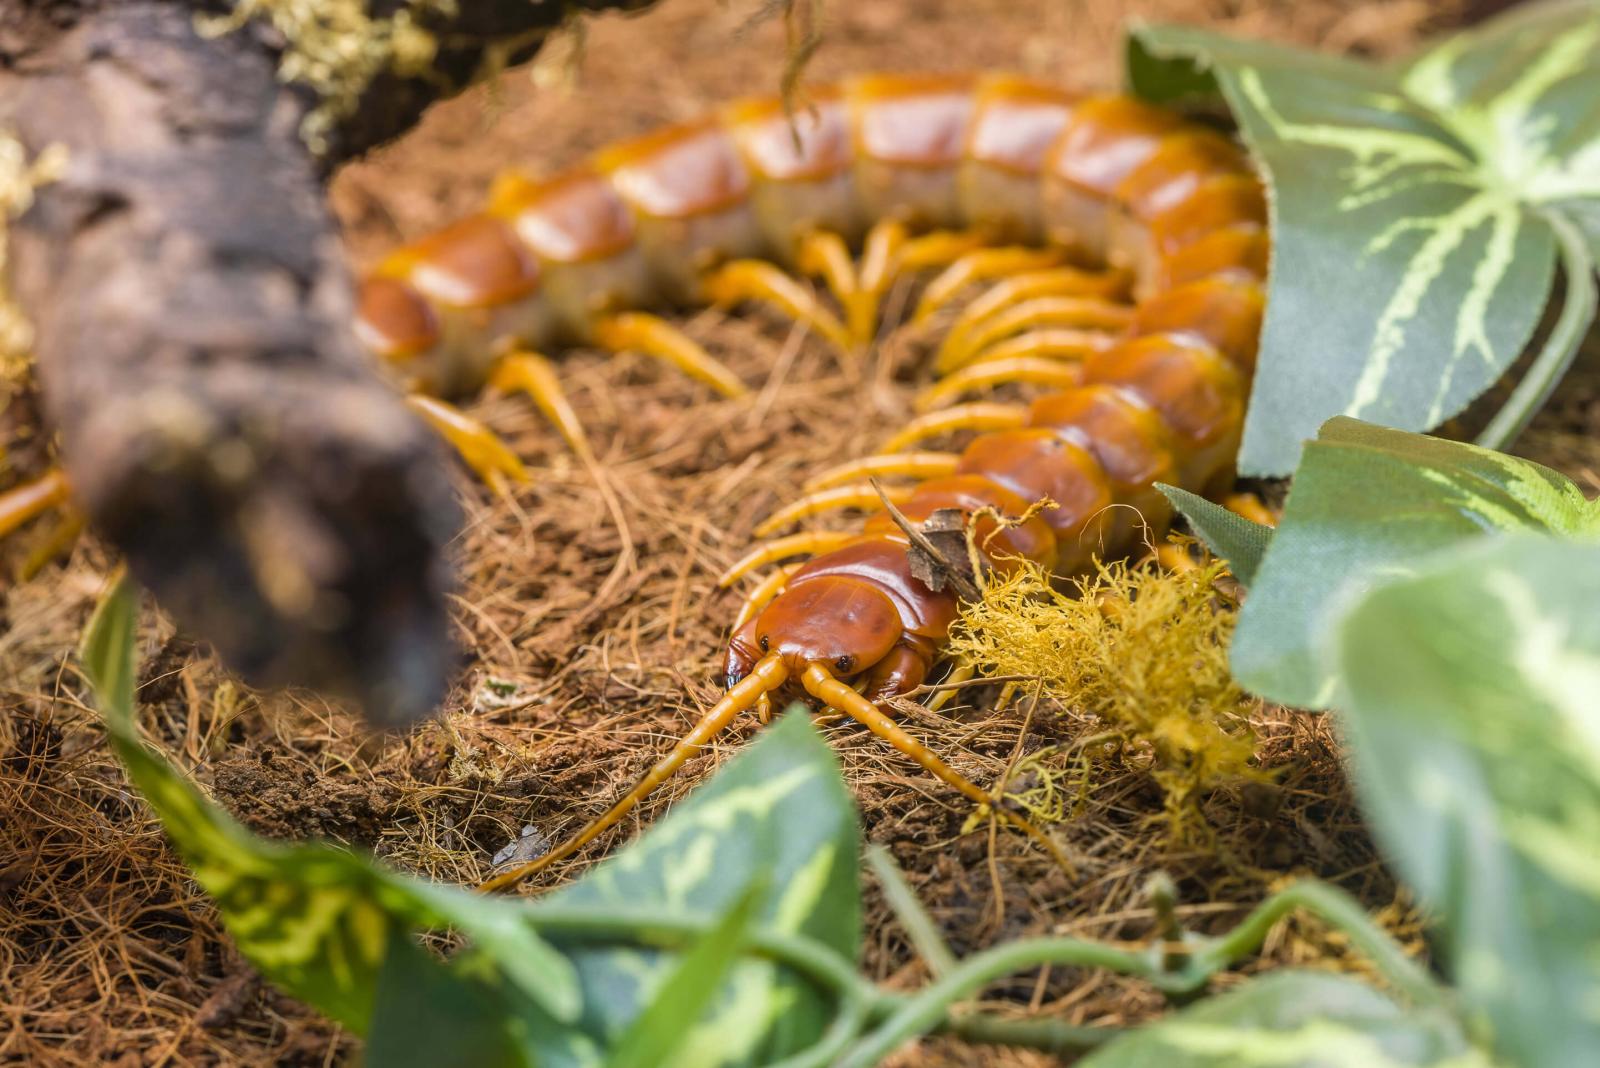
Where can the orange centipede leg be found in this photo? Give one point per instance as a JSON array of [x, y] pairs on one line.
[[757, 280], [1175, 558], [939, 249], [1250, 507], [980, 415], [1056, 282], [1032, 370], [917, 465], [1050, 344], [531, 374], [824, 254], [810, 542], [1084, 312], [836, 695], [765, 590], [32, 499], [879, 255], [766, 676], [654, 336], [482, 450], [977, 266], [952, 683], [863, 496]]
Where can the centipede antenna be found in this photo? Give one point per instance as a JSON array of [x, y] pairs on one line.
[[531, 374], [917, 465], [862, 496], [768, 674], [806, 543], [757, 280], [22, 503], [481, 449], [957, 350], [1031, 370], [765, 590], [1249, 506], [825, 254], [654, 336], [981, 416], [820, 684], [976, 267], [1047, 344]]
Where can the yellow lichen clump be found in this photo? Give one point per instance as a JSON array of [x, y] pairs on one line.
[[336, 48], [1141, 649]]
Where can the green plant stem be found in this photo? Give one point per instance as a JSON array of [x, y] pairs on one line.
[[926, 1010], [1578, 305], [1334, 907], [909, 911], [897, 1018]]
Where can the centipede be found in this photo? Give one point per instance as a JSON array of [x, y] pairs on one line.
[[1119, 252]]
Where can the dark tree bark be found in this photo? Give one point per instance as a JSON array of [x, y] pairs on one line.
[[216, 418]]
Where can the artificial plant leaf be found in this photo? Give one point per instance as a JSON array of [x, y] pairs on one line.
[[1471, 709], [314, 919], [1368, 502], [1231, 536], [781, 812], [427, 1016], [658, 1032], [1292, 1019], [1421, 202]]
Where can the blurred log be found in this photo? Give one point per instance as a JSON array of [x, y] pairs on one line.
[[192, 312]]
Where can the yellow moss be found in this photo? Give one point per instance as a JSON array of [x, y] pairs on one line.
[[1142, 649], [336, 48]]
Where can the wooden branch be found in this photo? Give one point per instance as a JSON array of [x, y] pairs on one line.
[[192, 314]]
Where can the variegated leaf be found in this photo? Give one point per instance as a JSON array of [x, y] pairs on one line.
[[1415, 211], [314, 919], [1239, 541], [1471, 701], [780, 812], [1295, 1020], [1367, 503]]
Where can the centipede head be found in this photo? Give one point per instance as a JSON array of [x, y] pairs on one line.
[[845, 625]]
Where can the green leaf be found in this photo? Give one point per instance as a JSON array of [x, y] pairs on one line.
[[428, 1016], [1471, 703], [1294, 1019], [658, 1032], [314, 919], [1232, 537], [1368, 502], [1418, 202], [781, 811]]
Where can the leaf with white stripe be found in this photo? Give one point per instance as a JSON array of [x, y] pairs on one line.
[[1367, 503], [1417, 213], [1471, 708]]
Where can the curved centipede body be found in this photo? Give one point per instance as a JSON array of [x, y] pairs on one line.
[[707, 210], [1069, 205]]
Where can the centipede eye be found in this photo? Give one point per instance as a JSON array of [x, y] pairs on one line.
[[765, 642], [844, 664]]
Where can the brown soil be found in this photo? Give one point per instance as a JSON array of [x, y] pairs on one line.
[[581, 669]]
